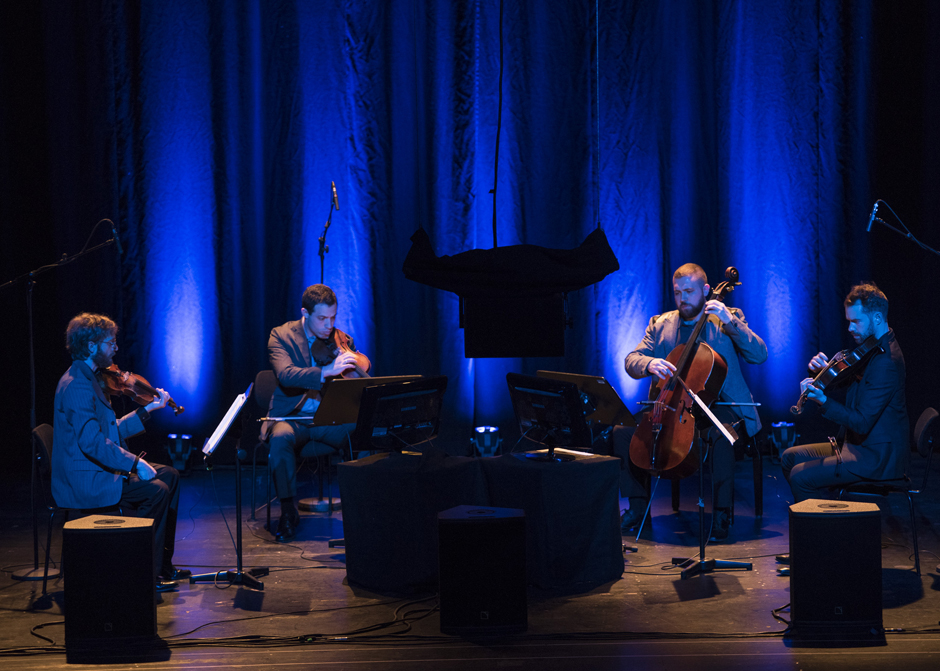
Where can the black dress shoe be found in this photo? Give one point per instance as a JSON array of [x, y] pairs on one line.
[[632, 518], [166, 585], [721, 521], [286, 528], [783, 559], [173, 573]]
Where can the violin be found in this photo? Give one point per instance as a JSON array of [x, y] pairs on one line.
[[664, 442], [840, 369], [116, 382]]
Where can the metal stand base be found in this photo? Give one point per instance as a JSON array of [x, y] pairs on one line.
[[34, 574], [692, 567], [246, 578], [312, 505]]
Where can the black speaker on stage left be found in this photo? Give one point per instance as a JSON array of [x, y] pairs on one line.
[[110, 600], [835, 569], [482, 570]]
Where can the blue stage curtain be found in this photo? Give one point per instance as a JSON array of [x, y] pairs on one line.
[[725, 132]]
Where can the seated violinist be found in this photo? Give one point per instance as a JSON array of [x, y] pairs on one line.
[[90, 466], [303, 354], [727, 332], [874, 414]]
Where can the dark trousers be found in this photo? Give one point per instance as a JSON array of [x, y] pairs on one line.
[[290, 439], [811, 469], [157, 499], [635, 482]]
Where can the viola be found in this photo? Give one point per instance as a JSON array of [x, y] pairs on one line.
[[664, 442], [116, 382], [362, 364], [841, 368]]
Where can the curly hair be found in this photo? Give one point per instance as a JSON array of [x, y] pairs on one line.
[[870, 296], [87, 328]]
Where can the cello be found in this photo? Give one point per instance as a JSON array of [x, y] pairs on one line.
[[664, 442]]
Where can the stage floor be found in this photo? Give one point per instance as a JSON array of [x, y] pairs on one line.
[[308, 616]]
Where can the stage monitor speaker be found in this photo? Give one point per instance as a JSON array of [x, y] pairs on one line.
[[835, 569], [110, 600], [482, 570]]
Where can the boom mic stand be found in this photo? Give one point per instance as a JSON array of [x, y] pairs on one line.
[[37, 572]]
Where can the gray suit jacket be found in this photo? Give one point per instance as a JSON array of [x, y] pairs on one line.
[[88, 457], [729, 340]]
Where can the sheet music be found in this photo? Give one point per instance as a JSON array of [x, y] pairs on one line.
[[213, 441]]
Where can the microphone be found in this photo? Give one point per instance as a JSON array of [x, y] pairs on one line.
[[335, 197], [872, 217], [117, 240]]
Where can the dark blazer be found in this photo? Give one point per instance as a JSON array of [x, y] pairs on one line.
[[874, 414], [88, 457], [289, 355], [729, 340]]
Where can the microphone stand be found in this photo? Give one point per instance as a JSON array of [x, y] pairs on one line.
[[37, 573], [905, 233], [324, 248]]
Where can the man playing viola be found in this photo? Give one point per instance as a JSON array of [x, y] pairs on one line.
[[90, 466], [303, 354], [728, 334], [874, 414]]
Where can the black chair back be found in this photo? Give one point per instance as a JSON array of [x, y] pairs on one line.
[[923, 432], [42, 434], [923, 438], [263, 390]]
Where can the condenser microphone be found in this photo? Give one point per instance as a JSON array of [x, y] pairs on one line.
[[872, 217], [336, 198], [117, 240]]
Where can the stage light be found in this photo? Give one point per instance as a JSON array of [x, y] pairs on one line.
[[486, 441]]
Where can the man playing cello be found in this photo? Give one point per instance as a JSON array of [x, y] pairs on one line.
[[728, 334]]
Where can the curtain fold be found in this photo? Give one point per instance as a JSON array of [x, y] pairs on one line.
[[721, 132]]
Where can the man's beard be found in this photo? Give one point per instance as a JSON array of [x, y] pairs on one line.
[[102, 360], [690, 312], [862, 337]]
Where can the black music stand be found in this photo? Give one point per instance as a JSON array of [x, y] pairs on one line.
[[600, 402], [692, 567], [236, 577], [341, 397], [399, 415], [549, 412]]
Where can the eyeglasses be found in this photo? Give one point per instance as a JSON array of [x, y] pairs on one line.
[[112, 342]]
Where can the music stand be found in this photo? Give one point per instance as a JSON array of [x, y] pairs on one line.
[[599, 400], [236, 577], [692, 567], [549, 412], [399, 415], [342, 397]]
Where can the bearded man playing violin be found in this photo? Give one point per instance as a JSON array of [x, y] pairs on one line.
[[91, 469], [303, 354], [873, 415], [727, 332]]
